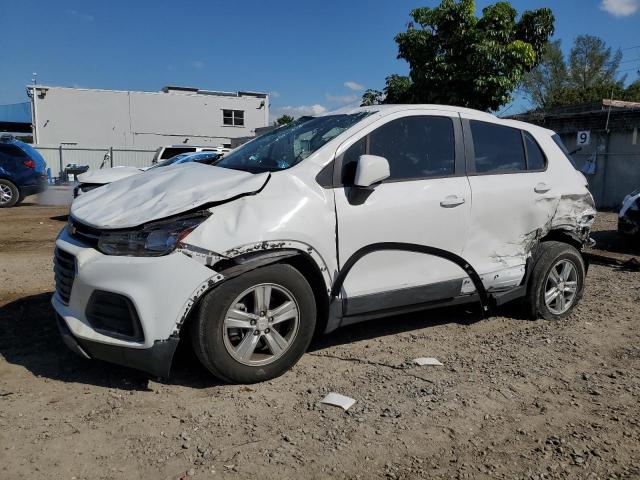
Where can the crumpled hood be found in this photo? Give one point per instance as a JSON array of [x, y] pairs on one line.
[[161, 193], [107, 175]]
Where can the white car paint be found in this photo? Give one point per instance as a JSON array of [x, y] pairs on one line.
[[492, 221], [160, 193], [107, 175], [627, 203]]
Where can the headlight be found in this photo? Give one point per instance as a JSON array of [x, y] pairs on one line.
[[152, 240]]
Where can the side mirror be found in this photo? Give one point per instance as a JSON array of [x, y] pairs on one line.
[[371, 169]]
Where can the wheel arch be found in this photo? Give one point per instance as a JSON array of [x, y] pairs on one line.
[[301, 257]]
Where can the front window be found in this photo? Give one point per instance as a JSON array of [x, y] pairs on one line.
[[233, 117], [288, 145]]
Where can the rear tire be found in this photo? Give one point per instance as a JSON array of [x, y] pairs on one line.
[[556, 284], [9, 194], [240, 341]]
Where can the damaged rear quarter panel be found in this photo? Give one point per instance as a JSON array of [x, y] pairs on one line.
[[509, 218]]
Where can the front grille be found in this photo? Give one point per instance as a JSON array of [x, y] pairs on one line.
[[114, 314], [84, 233], [64, 269]]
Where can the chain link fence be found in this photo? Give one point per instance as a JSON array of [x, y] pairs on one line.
[[59, 157]]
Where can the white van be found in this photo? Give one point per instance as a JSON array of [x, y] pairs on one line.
[[322, 223]]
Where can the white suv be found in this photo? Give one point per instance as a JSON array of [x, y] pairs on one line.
[[322, 223]]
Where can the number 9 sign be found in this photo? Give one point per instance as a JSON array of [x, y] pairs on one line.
[[584, 138]]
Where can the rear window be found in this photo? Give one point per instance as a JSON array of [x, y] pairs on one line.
[[565, 150], [8, 151], [498, 149], [173, 151]]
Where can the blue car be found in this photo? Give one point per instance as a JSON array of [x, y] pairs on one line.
[[22, 171]]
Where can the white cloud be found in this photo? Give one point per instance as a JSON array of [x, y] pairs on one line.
[[353, 85], [620, 8], [342, 99], [275, 94], [82, 16], [197, 64], [297, 111]]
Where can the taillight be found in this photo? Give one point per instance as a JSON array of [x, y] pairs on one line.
[[29, 163]]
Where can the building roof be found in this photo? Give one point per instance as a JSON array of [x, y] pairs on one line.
[[604, 115], [167, 89]]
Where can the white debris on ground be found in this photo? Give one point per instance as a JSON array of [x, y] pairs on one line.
[[338, 400], [423, 361]]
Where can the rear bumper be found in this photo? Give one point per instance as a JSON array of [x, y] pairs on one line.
[[155, 360], [26, 190]]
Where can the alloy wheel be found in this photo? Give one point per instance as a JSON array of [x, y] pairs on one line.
[[261, 324], [6, 195], [561, 287]]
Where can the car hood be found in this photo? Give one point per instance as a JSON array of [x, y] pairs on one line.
[[161, 193], [107, 175]]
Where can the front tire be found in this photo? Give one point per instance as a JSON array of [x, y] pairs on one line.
[[556, 284], [9, 194], [256, 326]]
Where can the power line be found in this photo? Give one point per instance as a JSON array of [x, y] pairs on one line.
[[629, 48], [632, 60]]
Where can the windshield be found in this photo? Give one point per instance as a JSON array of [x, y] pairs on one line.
[[286, 146]]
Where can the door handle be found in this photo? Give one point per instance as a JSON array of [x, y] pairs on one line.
[[451, 201], [542, 187]]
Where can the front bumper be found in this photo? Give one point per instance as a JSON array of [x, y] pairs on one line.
[[155, 360], [160, 289]]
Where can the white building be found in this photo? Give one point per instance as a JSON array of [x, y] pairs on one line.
[[92, 118]]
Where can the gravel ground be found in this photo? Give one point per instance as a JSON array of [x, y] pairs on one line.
[[514, 399]]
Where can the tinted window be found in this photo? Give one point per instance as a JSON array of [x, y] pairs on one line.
[[416, 147], [535, 158], [497, 148], [350, 161], [12, 151], [172, 152]]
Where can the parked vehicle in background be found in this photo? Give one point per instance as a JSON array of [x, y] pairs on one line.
[[23, 171], [163, 153], [251, 256], [97, 178], [629, 214]]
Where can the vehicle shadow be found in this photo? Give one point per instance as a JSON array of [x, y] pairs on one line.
[[381, 327], [60, 218], [29, 337], [612, 241]]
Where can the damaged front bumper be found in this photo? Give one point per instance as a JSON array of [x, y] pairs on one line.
[[125, 310]]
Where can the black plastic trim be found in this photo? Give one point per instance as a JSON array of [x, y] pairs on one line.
[[412, 247], [401, 297]]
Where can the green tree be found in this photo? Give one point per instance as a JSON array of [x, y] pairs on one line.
[[545, 84], [592, 63], [589, 74], [372, 97], [632, 93], [283, 120], [457, 58]]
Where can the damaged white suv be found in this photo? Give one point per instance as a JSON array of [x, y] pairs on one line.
[[322, 223]]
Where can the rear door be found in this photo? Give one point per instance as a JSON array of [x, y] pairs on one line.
[[511, 197], [425, 201]]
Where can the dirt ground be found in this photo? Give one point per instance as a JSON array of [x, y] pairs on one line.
[[514, 399]]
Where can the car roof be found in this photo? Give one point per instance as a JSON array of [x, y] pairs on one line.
[[478, 114]]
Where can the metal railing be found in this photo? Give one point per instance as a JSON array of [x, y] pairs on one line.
[[59, 157]]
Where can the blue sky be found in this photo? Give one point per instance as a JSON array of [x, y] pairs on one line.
[[311, 55]]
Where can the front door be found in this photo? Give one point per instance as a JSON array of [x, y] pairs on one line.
[[426, 200]]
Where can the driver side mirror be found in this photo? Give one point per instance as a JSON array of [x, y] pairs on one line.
[[371, 169]]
